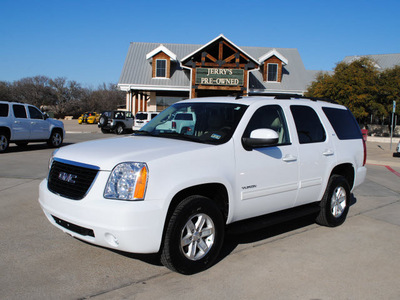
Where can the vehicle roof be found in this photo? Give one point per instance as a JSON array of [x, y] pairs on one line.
[[249, 100]]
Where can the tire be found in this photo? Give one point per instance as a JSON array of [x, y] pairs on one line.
[[4, 142], [103, 121], [119, 129], [194, 236], [335, 202], [55, 139]]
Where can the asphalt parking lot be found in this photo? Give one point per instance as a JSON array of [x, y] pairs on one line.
[[296, 260]]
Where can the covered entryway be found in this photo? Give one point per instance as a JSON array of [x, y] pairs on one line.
[[219, 68]]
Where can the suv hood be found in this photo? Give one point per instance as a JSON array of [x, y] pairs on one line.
[[107, 153], [56, 123]]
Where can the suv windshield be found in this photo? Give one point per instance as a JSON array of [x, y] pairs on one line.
[[212, 123]]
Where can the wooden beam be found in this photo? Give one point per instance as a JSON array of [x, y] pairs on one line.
[[212, 58]]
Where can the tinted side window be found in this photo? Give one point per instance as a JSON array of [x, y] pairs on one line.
[[3, 109], [34, 113], [270, 117], [19, 111], [343, 123], [308, 125]]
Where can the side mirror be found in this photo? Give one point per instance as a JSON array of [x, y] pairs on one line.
[[45, 116], [261, 138]]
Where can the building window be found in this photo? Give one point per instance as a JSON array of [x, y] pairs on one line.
[[161, 68], [272, 72]]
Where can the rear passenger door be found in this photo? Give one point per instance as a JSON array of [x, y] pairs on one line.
[[40, 128], [316, 154], [21, 126]]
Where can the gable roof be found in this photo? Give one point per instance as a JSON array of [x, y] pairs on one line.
[[161, 48], [271, 53], [222, 37]]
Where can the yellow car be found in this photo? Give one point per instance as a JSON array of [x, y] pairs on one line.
[[89, 118]]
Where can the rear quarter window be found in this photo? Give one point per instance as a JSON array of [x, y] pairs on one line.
[[3, 110], [343, 122]]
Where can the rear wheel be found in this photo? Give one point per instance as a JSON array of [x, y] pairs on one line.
[[335, 202], [4, 142], [194, 236]]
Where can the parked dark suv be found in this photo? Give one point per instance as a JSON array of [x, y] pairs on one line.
[[116, 121]]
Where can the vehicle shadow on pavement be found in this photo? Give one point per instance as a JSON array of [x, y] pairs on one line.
[[32, 147], [234, 238]]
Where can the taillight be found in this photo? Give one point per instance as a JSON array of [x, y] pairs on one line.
[[365, 152], [173, 125]]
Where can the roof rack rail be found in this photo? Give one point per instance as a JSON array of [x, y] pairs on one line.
[[288, 96]]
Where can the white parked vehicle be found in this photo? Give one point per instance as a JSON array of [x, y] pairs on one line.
[[181, 122], [174, 193], [142, 118], [24, 123], [397, 153]]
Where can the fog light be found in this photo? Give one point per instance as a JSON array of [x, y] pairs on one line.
[[112, 240]]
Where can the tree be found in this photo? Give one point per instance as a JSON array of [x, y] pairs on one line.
[[389, 88], [34, 90], [355, 85], [5, 91], [61, 96]]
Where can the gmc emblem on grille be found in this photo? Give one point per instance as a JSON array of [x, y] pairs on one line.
[[67, 177]]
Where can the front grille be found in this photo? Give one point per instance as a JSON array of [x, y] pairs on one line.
[[70, 180], [75, 228]]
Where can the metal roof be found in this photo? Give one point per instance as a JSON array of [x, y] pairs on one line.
[[137, 70], [383, 61]]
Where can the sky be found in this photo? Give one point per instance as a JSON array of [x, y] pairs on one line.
[[87, 40]]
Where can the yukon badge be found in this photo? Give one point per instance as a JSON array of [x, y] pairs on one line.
[[67, 177]]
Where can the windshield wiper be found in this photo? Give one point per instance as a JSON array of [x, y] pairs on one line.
[[180, 136]]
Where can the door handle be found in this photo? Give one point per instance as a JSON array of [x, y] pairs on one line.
[[328, 152], [289, 158]]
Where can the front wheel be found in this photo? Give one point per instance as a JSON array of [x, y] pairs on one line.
[[335, 202], [194, 236], [55, 139], [119, 129]]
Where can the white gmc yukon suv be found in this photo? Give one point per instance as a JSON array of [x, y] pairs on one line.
[[24, 123], [174, 193]]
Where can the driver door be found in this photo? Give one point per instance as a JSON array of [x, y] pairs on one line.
[[267, 177]]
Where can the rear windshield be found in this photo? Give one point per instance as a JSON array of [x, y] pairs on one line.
[[343, 122], [3, 109], [141, 116]]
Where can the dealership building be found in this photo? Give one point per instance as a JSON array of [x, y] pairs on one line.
[[156, 75]]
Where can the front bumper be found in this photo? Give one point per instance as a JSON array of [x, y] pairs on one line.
[[131, 226]]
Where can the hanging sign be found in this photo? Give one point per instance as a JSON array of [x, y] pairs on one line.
[[216, 76]]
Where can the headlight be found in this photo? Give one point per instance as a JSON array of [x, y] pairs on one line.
[[127, 181]]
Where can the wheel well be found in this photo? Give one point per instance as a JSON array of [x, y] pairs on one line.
[[57, 130], [214, 191], [6, 130], [345, 170]]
